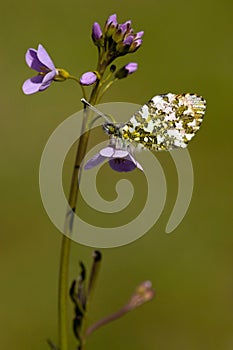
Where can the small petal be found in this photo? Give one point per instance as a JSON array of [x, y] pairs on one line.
[[30, 56], [33, 61], [88, 78], [32, 85], [49, 77], [125, 26], [96, 32], [128, 40], [138, 42], [139, 35], [120, 153], [126, 70], [107, 152], [139, 166], [135, 45], [112, 20], [96, 160], [131, 67], [45, 86], [121, 164], [44, 57]]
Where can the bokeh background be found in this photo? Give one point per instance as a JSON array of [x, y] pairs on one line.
[[187, 47]]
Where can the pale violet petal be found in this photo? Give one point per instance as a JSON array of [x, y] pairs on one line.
[[130, 157], [119, 153], [48, 77], [44, 57], [45, 86], [139, 166], [94, 161], [32, 60], [135, 162], [32, 85], [107, 152]]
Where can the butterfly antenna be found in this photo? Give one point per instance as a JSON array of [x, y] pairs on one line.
[[99, 113]]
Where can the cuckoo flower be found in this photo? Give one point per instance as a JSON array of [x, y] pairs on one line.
[[119, 159], [40, 61]]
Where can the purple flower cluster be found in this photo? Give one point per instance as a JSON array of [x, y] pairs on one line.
[[121, 38], [113, 41]]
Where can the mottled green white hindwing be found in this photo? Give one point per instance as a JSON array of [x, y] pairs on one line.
[[166, 122]]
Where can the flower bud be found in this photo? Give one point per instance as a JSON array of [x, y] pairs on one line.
[[96, 33], [118, 35], [143, 293], [126, 70], [125, 27], [128, 40], [111, 25], [139, 35], [135, 45], [88, 78]]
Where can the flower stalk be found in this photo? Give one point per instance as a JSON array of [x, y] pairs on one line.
[[143, 293], [65, 246]]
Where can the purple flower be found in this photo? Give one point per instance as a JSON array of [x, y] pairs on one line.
[[96, 32], [120, 160], [88, 78], [40, 61], [126, 70]]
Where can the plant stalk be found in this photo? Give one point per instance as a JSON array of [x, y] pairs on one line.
[[65, 245]]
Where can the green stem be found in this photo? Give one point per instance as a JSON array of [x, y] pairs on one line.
[[107, 87], [77, 81], [65, 247], [62, 293], [73, 197]]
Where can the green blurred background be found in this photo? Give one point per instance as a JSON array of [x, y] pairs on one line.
[[187, 47]]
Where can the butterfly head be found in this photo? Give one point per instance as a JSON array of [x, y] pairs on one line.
[[112, 129]]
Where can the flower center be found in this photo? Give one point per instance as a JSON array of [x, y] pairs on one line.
[[44, 70]]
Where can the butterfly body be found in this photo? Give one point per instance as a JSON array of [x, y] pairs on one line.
[[166, 122]]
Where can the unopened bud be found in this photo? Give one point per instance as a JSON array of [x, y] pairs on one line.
[[126, 70], [97, 34], [88, 78], [143, 293]]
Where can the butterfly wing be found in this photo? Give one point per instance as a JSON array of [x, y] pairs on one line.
[[166, 122]]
